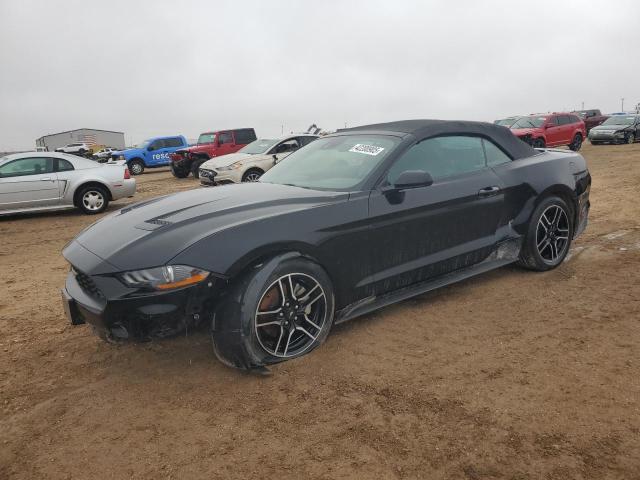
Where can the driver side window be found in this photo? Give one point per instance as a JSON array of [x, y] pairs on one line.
[[288, 146], [225, 138], [27, 166], [441, 157]]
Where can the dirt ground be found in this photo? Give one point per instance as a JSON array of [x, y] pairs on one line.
[[510, 375]]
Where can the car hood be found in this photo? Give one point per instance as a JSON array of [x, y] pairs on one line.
[[610, 127], [151, 233], [226, 160]]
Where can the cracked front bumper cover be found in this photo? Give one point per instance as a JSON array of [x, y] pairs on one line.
[[137, 317]]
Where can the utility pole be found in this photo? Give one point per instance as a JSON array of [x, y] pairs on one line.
[[582, 106], [622, 106], [282, 129]]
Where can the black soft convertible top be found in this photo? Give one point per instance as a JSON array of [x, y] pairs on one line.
[[422, 129]]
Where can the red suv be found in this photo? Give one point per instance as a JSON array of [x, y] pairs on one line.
[[551, 130], [210, 144]]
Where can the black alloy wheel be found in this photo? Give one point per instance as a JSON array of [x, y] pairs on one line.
[[538, 143], [576, 143], [548, 236], [291, 315], [279, 310], [552, 234]]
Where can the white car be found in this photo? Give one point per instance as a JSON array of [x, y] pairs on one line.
[[35, 181], [104, 154], [80, 148], [251, 161]]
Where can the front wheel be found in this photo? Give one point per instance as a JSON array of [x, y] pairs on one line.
[[179, 172], [538, 143], [631, 138], [277, 312], [548, 237], [136, 167], [252, 175], [576, 143]]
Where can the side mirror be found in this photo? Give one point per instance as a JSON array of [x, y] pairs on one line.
[[275, 158], [410, 179]]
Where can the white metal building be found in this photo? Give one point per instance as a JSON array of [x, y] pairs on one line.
[[90, 136]]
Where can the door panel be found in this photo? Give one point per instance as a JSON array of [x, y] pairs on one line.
[[29, 191], [429, 231], [554, 133], [226, 143]]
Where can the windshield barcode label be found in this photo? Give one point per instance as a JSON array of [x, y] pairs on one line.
[[366, 149]]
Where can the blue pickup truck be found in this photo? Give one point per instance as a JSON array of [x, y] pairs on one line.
[[153, 152]]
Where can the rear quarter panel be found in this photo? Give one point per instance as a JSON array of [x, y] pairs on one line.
[[529, 180]]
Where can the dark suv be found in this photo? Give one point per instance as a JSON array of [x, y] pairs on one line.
[[591, 118]]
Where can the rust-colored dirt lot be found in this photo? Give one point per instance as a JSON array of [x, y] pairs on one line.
[[510, 375]]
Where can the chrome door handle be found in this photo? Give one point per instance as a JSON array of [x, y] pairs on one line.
[[46, 179]]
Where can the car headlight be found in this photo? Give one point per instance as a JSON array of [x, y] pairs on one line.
[[121, 157], [233, 166], [164, 278]]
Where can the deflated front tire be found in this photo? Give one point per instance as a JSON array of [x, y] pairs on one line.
[[277, 311]]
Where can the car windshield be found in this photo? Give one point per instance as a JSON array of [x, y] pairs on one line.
[[529, 122], [506, 122], [206, 138], [262, 145], [143, 145], [620, 120], [332, 163]]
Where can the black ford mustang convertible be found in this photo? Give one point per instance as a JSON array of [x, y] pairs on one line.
[[350, 223]]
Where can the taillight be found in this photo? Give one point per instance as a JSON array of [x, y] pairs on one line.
[[127, 175]]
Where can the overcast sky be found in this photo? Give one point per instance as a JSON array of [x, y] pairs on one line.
[[166, 67]]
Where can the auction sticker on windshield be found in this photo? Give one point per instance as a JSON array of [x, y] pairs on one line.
[[366, 149]]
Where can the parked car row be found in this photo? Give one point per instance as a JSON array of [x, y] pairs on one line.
[[252, 161], [573, 128]]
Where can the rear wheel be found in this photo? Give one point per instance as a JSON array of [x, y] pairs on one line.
[[576, 143], [631, 138], [93, 199], [136, 167], [548, 237], [280, 311], [539, 143]]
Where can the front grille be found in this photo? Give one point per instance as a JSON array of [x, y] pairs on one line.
[[207, 173], [87, 284]]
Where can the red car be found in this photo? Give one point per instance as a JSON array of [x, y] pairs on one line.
[[551, 130], [210, 144]]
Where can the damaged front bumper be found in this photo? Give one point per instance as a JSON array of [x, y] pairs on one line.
[[94, 294]]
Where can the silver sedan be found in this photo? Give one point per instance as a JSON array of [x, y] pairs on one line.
[[35, 181]]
